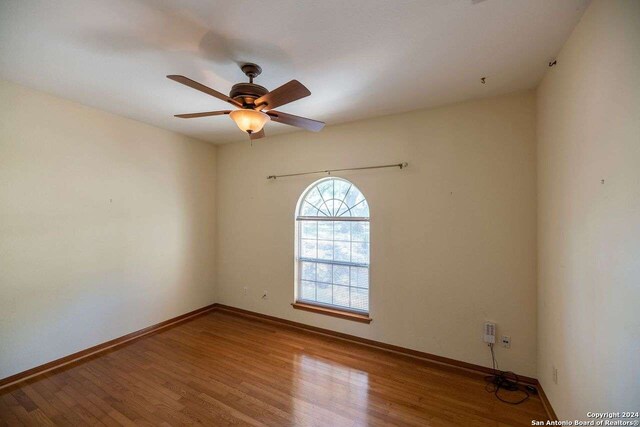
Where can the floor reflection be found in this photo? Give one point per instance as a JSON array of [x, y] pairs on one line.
[[329, 393]]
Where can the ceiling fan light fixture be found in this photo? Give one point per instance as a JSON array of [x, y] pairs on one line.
[[247, 96], [250, 121]]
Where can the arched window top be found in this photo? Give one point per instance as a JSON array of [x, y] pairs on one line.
[[333, 197]]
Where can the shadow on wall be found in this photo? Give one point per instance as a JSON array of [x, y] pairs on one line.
[[109, 229]]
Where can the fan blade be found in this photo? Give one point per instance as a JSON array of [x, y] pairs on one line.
[[284, 94], [257, 135], [301, 122], [207, 114], [202, 88]]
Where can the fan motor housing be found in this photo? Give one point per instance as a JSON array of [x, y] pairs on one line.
[[246, 93]]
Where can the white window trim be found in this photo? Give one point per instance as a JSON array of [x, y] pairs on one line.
[[298, 259]]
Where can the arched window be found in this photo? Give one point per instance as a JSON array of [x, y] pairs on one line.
[[332, 246]]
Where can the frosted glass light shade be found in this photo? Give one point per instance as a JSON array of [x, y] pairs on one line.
[[250, 121]]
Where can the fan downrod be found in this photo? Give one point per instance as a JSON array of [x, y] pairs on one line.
[[251, 70]]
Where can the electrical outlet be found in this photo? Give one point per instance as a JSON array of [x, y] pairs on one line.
[[554, 374], [489, 332], [506, 341]]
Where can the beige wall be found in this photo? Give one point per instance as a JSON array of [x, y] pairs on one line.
[[589, 232], [453, 236], [106, 226]]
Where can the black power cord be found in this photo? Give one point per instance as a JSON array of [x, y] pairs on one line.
[[504, 380]]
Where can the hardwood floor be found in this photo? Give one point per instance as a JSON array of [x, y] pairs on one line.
[[222, 369]]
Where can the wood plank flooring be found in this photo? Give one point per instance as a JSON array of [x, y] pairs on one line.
[[221, 369]]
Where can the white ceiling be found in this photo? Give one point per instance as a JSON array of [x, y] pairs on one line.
[[359, 58]]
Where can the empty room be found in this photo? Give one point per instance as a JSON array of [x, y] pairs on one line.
[[320, 213]]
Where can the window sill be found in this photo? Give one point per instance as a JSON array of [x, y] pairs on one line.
[[356, 317]]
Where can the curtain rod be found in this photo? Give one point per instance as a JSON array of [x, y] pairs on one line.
[[328, 171]]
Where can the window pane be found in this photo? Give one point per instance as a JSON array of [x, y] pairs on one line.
[[360, 299], [359, 277], [352, 196], [359, 198], [341, 230], [325, 249], [332, 206], [326, 189], [342, 251], [343, 210], [341, 295], [341, 275], [324, 293], [360, 209], [309, 248], [309, 229], [325, 230], [340, 189], [308, 291], [308, 210], [360, 253], [308, 271], [314, 198], [359, 231], [325, 273]]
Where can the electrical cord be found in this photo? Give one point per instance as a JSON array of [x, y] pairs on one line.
[[503, 380]]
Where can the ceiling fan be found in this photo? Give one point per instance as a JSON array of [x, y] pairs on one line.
[[255, 104]]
